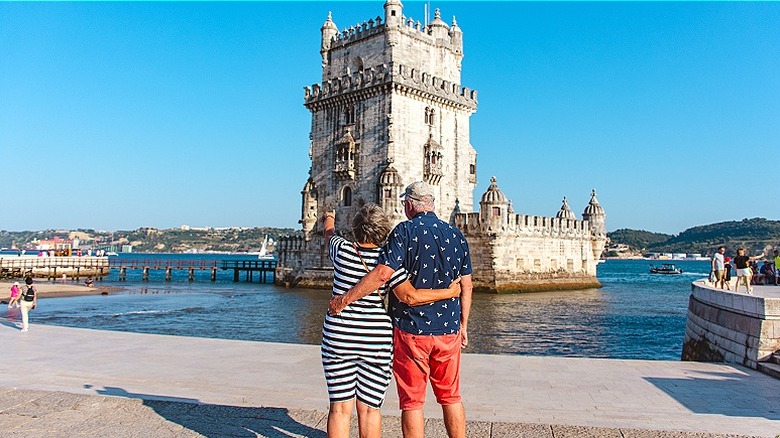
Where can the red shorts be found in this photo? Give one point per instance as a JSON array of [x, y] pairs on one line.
[[416, 358]]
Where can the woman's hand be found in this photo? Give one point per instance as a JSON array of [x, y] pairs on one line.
[[336, 305]]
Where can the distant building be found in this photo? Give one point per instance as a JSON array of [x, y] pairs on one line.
[[390, 110]]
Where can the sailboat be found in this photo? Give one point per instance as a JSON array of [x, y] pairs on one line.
[[263, 255]]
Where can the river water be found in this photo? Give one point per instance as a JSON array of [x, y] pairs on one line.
[[636, 315]]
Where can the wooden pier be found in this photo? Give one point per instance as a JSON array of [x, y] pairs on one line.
[[250, 267]]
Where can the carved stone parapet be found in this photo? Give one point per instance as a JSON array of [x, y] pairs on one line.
[[406, 80]]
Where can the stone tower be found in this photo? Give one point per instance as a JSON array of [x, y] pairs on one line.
[[389, 111]]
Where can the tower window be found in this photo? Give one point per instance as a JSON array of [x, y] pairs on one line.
[[430, 113], [347, 197], [349, 115], [496, 211]]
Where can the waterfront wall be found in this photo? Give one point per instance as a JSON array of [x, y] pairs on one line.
[[53, 267], [723, 326]]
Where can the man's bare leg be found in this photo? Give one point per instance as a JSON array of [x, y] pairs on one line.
[[413, 423], [455, 420]]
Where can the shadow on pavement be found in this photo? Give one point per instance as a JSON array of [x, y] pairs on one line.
[[221, 420], [732, 394]]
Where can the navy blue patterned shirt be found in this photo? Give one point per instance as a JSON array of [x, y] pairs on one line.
[[434, 253]]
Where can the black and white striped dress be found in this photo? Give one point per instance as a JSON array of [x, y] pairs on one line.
[[357, 344]]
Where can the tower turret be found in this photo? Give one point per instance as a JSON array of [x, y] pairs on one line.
[[565, 212], [594, 214], [456, 38], [329, 31], [309, 211], [438, 28], [597, 218], [493, 207], [394, 10]]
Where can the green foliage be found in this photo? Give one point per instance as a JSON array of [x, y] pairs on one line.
[[637, 239], [755, 235]]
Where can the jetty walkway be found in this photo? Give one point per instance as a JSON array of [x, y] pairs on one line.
[[77, 382]]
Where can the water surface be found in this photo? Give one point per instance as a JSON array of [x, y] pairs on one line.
[[635, 315]]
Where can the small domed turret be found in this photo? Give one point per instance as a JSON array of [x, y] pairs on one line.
[[493, 195], [565, 212], [394, 10], [438, 28], [594, 214], [593, 207], [456, 37], [329, 31], [493, 208]]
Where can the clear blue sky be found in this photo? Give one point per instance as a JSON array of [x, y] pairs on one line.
[[123, 115]]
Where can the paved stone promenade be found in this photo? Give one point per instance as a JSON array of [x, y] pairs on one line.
[[74, 382]]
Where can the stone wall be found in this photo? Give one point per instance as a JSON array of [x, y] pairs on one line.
[[723, 326]]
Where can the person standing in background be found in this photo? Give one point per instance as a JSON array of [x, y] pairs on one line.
[[718, 267], [727, 272]]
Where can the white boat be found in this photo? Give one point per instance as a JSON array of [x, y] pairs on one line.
[[263, 254]]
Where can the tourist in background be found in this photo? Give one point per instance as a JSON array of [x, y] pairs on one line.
[[767, 272], [28, 301], [427, 341], [14, 299], [357, 343], [776, 261], [726, 273], [718, 267], [744, 272]]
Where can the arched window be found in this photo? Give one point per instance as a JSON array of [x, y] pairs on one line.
[[432, 117], [349, 115], [346, 197]]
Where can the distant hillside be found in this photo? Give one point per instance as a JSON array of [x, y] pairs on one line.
[[155, 240], [637, 239], [755, 235]]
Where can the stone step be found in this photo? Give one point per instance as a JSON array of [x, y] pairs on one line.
[[775, 358], [769, 368]]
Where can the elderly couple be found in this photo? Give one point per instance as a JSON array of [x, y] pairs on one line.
[[423, 269]]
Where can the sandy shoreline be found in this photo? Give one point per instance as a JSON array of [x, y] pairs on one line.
[[47, 289]]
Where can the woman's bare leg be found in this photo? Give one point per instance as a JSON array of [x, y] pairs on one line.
[[338, 419]]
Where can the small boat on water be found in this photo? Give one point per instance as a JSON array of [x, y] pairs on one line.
[[666, 268]]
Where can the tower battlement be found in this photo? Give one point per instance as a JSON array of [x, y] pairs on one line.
[[523, 225], [405, 79]]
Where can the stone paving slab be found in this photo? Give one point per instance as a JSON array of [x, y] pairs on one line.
[[178, 386], [55, 414]]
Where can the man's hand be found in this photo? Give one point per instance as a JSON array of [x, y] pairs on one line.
[[464, 337], [454, 288], [336, 305]]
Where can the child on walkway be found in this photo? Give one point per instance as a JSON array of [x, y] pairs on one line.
[[14, 300]]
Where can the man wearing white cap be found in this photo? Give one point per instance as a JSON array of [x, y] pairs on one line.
[[427, 339]]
